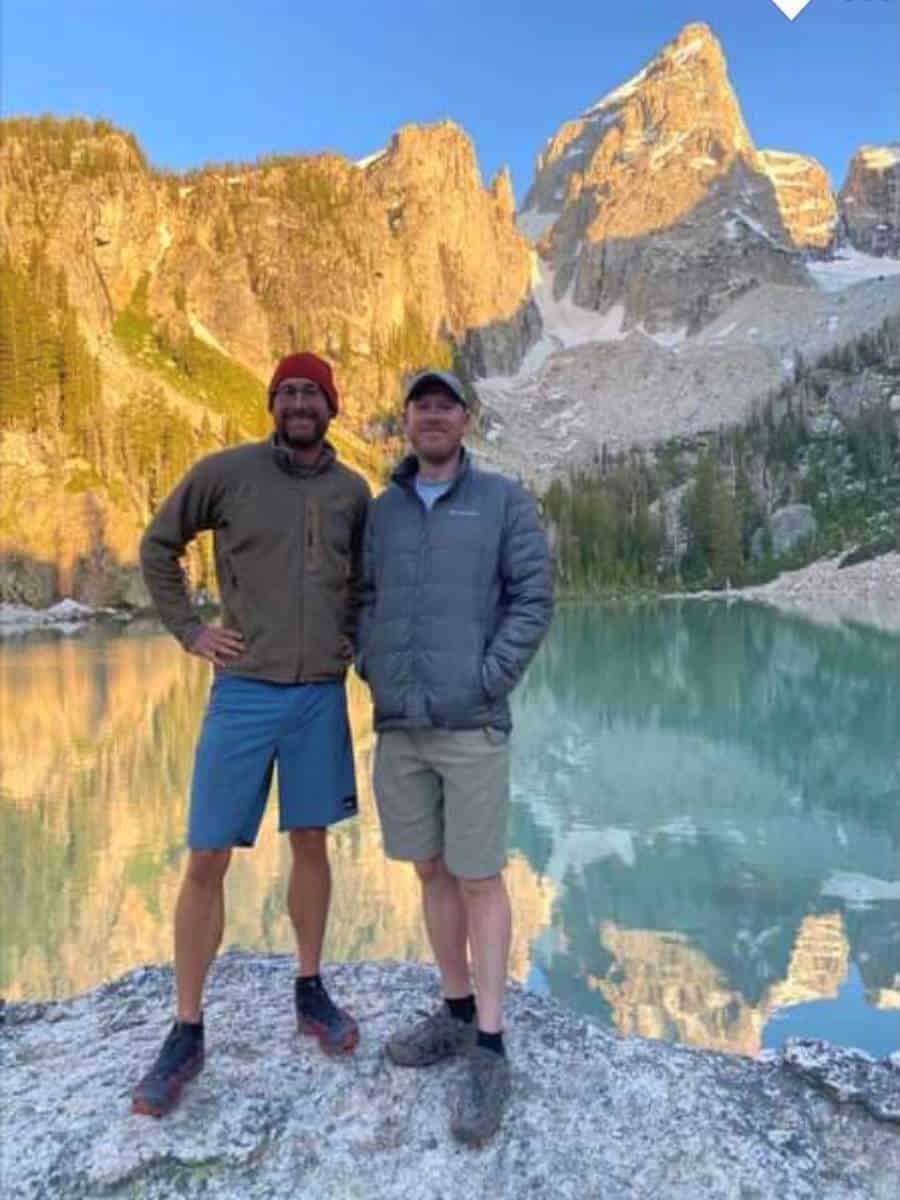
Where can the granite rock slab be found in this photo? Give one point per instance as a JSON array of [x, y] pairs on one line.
[[593, 1114]]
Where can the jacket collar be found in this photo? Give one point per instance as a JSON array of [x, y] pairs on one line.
[[407, 469], [285, 460]]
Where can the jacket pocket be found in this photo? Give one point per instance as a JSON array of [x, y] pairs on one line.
[[457, 693], [387, 682], [230, 590], [332, 534], [339, 527]]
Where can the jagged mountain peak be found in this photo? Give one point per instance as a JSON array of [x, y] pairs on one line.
[[682, 96], [445, 138], [870, 200], [655, 198], [502, 191], [880, 158], [805, 197], [695, 49]]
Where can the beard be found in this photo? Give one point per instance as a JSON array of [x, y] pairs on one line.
[[311, 435], [435, 453]]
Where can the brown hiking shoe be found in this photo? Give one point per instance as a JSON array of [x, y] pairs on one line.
[[437, 1037], [482, 1096]]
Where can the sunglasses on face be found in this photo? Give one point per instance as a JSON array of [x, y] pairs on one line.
[[307, 391]]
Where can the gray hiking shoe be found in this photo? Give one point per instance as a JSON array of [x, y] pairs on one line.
[[438, 1037], [482, 1096]]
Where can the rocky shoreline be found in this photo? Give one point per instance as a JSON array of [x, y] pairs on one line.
[[866, 593], [593, 1114], [65, 617]]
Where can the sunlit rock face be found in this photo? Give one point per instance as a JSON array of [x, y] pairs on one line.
[[380, 265], [805, 198], [104, 226], [67, 543], [870, 200], [252, 259], [656, 199]]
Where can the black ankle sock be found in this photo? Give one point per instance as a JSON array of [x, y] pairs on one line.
[[491, 1041], [308, 981], [192, 1026], [463, 1009]]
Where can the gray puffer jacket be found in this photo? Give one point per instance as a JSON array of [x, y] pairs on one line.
[[454, 601]]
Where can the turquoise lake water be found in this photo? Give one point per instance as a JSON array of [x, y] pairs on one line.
[[704, 827]]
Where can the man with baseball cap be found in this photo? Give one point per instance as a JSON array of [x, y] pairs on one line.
[[456, 597], [287, 520]]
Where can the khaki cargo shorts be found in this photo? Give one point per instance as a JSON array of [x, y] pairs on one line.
[[444, 793]]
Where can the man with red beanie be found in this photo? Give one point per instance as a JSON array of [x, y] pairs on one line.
[[287, 520]]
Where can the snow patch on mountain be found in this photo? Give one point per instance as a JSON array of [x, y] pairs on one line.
[[362, 163], [618, 96], [204, 334], [535, 224], [850, 267], [880, 158], [590, 383], [784, 163], [667, 147], [689, 50], [566, 324]]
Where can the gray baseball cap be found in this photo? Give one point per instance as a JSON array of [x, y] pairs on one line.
[[445, 379]]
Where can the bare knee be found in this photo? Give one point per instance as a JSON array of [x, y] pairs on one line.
[[479, 889], [431, 870], [309, 846], [206, 868]]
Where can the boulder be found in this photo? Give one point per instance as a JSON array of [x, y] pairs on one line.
[[26, 580], [791, 525]]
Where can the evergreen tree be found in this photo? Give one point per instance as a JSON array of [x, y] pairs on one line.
[[696, 514], [725, 554]]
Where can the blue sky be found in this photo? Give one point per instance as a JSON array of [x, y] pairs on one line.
[[201, 82]]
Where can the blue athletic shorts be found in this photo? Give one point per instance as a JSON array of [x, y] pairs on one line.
[[250, 725]]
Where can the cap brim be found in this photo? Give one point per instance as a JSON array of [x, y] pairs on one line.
[[438, 379]]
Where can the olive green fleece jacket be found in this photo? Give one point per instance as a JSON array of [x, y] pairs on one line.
[[287, 546]]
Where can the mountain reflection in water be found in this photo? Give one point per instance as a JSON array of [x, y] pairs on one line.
[[703, 831]]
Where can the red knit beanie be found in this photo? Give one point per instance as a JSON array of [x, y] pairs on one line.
[[306, 366]]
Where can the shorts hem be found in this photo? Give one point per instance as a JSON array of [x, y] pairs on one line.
[[404, 856], [470, 875], [232, 845], [294, 827]]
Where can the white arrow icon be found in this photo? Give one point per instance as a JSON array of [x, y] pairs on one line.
[[791, 8]]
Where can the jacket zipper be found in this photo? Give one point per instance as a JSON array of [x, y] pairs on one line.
[[305, 546]]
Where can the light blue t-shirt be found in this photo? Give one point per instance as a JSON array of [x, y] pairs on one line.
[[429, 492]]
